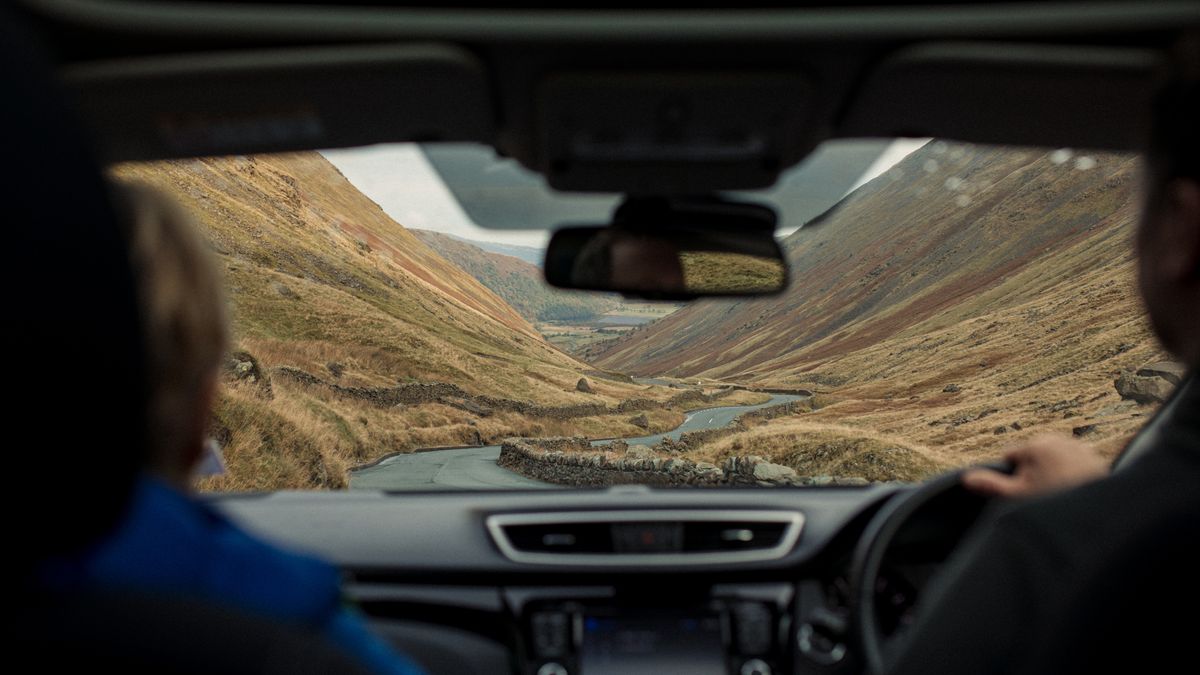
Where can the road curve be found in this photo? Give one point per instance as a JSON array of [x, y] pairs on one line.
[[475, 467]]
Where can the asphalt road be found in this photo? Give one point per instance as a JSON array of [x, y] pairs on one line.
[[469, 467], [475, 467]]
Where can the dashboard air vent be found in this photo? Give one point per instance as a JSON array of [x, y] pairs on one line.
[[645, 537]]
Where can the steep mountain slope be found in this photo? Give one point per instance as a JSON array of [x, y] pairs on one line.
[[332, 301], [517, 282], [1002, 275], [914, 249], [310, 259]]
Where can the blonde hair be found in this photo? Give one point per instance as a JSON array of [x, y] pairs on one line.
[[184, 322]]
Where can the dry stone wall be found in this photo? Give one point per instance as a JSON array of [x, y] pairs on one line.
[[574, 462]]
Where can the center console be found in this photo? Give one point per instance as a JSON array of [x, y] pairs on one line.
[[717, 630]]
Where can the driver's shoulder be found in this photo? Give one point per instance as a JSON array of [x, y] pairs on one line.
[[1159, 497]]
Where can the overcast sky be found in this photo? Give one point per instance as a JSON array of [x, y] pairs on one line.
[[400, 179]]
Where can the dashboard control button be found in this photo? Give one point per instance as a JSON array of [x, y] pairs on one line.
[[755, 667], [820, 644], [552, 668], [754, 626], [551, 634]]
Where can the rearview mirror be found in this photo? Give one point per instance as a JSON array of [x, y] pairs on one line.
[[672, 249]]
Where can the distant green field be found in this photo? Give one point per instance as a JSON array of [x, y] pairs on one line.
[[581, 337]]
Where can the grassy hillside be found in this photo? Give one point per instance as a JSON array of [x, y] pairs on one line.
[[1005, 276], [321, 280], [518, 282]]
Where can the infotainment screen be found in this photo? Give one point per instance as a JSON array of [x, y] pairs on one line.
[[652, 644]]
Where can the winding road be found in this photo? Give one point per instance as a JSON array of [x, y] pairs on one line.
[[474, 467]]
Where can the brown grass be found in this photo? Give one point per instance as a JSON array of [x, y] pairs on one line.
[[1042, 366], [1045, 366], [275, 445], [819, 449]]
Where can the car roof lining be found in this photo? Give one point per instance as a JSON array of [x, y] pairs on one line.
[[339, 22], [279, 78], [275, 100], [263, 100]]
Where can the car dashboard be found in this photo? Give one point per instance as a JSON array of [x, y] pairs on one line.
[[621, 580]]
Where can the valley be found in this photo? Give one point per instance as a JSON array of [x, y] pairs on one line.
[[964, 300]]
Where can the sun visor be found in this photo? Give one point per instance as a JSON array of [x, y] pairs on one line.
[[1021, 94], [280, 100]]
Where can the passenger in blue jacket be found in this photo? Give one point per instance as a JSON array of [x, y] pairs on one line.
[[169, 541]]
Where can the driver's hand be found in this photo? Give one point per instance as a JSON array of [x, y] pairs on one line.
[[1043, 464]]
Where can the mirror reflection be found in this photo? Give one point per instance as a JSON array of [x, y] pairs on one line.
[[669, 263]]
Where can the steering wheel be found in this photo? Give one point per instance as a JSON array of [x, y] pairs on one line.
[[877, 540]]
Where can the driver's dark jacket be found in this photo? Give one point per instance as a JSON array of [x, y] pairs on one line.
[[1102, 578]]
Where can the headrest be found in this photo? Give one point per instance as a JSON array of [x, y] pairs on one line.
[[73, 432]]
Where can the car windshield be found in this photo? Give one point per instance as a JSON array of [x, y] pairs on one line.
[[958, 298]]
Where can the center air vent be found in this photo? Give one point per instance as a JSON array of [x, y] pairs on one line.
[[645, 537]]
